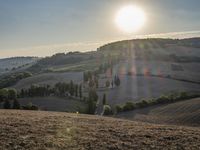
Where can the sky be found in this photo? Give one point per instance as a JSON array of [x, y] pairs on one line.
[[45, 27]]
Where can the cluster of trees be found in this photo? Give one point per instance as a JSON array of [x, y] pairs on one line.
[[7, 96], [59, 89], [70, 88], [10, 80], [91, 78], [109, 64], [57, 59], [115, 82], [164, 99]]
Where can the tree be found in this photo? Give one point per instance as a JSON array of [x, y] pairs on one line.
[[3, 94], [91, 83], [107, 110], [12, 94], [71, 89], [80, 91], [76, 90], [16, 104], [112, 84], [96, 82], [107, 83], [92, 100], [117, 80], [22, 93], [85, 77], [6, 104], [104, 99]]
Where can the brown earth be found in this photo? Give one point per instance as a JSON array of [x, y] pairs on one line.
[[33, 130]]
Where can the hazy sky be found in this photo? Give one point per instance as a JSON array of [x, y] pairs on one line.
[[43, 27]]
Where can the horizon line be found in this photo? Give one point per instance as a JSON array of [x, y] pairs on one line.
[[89, 45]]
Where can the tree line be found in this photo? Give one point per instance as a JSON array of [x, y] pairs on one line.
[[11, 79], [61, 89], [8, 95]]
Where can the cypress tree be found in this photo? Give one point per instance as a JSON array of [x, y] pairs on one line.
[[80, 91], [104, 99], [6, 104]]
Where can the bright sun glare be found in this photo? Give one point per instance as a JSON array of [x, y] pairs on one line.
[[130, 18]]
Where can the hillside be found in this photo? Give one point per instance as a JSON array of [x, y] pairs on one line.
[[48, 130], [180, 113], [16, 64]]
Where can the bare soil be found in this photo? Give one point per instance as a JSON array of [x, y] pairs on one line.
[[31, 130]]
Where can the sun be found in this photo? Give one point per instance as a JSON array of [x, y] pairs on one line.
[[130, 18]]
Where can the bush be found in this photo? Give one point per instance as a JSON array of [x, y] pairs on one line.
[[129, 106], [163, 99], [118, 108], [107, 110], [30, 106], [142, 104]]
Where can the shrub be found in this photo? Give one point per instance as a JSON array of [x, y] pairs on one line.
[[163, 99], [118, 108], [129, 106], [183, 95], [107, 110], [30, 106], [142, 104]]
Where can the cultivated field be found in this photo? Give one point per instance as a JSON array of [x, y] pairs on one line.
[[180, 113], [182, 71], [49, 78], [16, 64], [135, 88], [55, 104], [31, 130]]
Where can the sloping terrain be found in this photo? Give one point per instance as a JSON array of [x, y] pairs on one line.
[[180, 113], [55, 104], [49, 78], [47, 130], [135, 88], [16, 63]]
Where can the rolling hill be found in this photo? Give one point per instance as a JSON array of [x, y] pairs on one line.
[[31, 130], [16, 63], [185, 112]]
